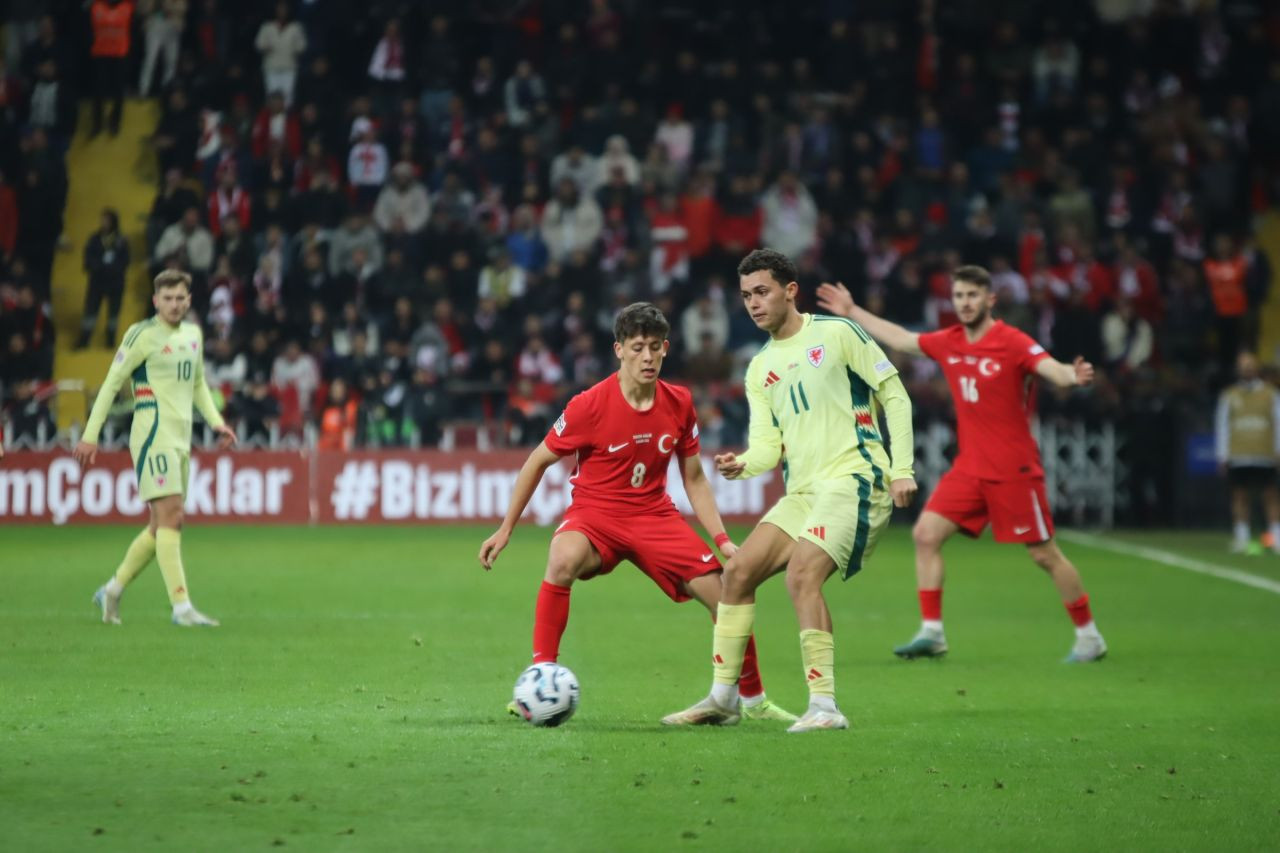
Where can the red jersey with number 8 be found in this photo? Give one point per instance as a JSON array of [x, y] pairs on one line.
[[991, 383], [623, 453]]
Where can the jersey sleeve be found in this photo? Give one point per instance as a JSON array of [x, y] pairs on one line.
[[203, 397], [1026, 352], [573, 430], [865, 357], [764, 436], [689, 444], [133, 351], [933, 344]]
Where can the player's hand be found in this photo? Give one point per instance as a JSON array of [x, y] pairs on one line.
[[729, 466], [85, 453], [903, 492], [226, 437], [492, 547], [728, 549], [1083, 369], [835, 298]]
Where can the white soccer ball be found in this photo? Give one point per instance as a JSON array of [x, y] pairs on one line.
[[547, 694]]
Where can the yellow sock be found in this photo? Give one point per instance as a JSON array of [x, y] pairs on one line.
[[733, 630], [139, 555], [818, 651], [169, 556]]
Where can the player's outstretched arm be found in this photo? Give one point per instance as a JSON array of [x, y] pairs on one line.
[[1078, 372], [703, 500], [527, 482], [892, 397], [837, 299]]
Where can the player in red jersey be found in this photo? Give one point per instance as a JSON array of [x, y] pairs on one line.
[[996, 476], [624, 431]]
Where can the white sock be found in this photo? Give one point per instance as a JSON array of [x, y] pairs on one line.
[[752, 701], [182, 607], [933, 626], [114, 587], [1242, 532], [822, 703], [725, 695], [1090, 630]]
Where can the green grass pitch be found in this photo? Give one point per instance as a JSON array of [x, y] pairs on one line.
[[354, 700]]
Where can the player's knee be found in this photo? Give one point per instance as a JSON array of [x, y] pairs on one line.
[[1045, 555], [561, 571], [803, 581], [925, 537], [735, 583]]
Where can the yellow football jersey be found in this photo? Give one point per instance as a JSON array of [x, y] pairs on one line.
[[812, 400]]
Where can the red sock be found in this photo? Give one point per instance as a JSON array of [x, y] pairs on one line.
[[931, 604], [749, 683], [1079, 611], [549, 620]]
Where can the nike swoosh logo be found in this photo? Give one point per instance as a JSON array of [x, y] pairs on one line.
[[1018, 531], [614, 448], [706, 558]]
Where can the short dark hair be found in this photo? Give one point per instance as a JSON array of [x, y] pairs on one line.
[[172, 278], [640, 319], [973, 274], [777, 264]]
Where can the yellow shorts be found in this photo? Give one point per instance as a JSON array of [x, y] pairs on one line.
[[162, 471], [842, 517]]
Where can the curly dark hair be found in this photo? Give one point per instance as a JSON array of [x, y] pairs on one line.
[[777, 264], [642, 319]]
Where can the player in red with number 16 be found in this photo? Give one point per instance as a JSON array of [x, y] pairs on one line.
[[624, 431], [996, 476]]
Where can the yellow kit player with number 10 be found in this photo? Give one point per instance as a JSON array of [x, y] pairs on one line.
[[163, 358]]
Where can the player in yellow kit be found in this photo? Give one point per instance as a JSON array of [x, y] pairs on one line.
[[814, 389], [163, 358]]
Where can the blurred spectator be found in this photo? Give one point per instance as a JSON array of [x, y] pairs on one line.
[[427, 407], [337, 419], [790, 217], [106, 259], [29, 415], [1127, 339], [257, 411], [111, 22], [402, 206], [297, 370], [571, 222], [163, 23], [501, 280], [1225, 273], [187, 241], [223, 366], [281, 41]]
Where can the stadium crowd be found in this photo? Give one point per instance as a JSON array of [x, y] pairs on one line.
[[399, 215]]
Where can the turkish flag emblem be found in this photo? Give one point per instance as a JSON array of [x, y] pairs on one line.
[[815, 355]]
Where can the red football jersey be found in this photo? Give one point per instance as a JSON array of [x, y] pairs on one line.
[[991, 383], [623, 453]]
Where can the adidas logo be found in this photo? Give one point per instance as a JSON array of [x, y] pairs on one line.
[[166, 350], [820, 532], [813, 673], [717, 659], [770, 379]]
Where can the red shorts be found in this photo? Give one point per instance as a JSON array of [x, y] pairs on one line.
[[664, 547], [1017, 509]]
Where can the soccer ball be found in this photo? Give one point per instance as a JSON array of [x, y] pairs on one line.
[[547, 694]]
